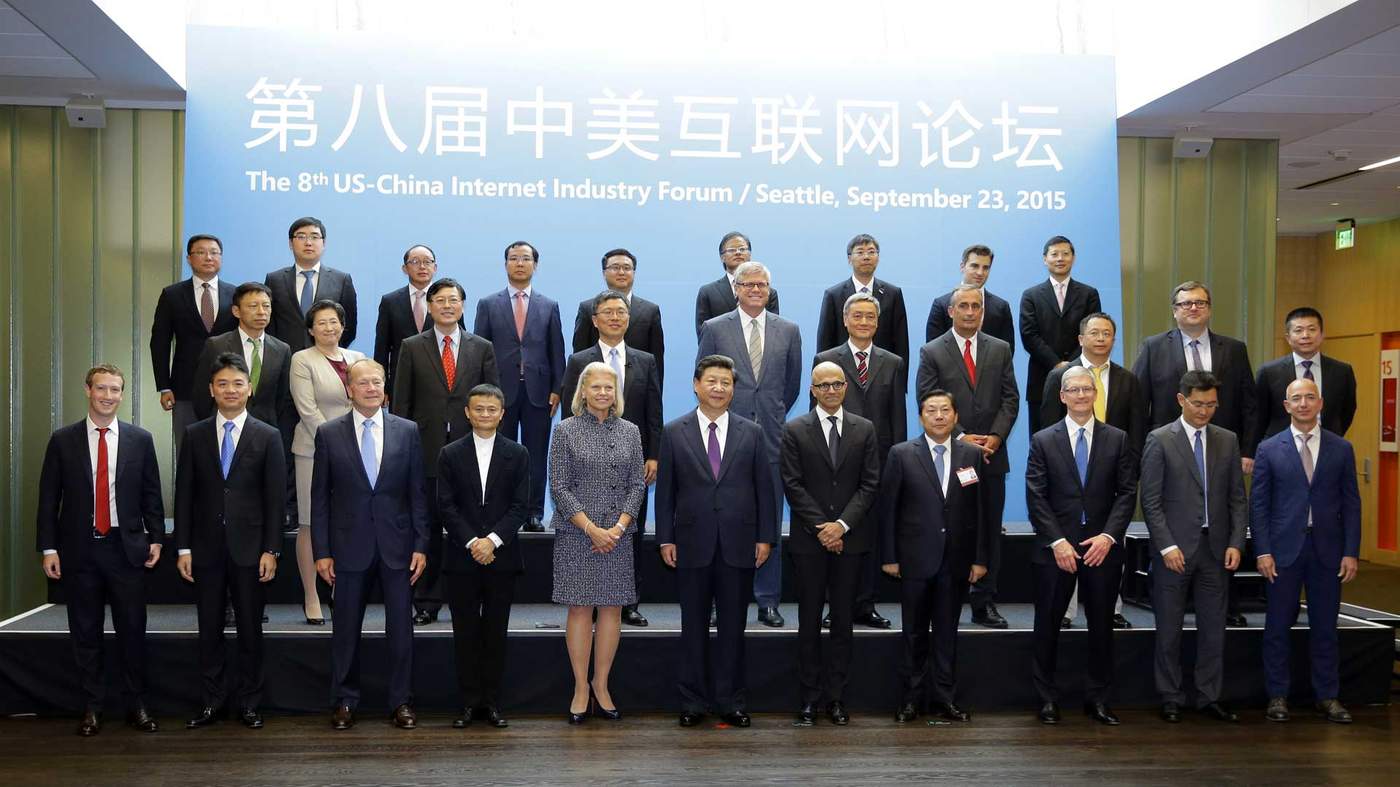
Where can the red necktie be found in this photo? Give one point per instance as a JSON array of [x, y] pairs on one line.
[[862, 368], [968, 362], [449, 362], [102, 502]]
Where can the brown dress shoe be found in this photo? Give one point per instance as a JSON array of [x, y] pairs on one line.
[[405, 718], [342, 718]]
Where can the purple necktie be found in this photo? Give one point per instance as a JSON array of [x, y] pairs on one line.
[[713, 450]]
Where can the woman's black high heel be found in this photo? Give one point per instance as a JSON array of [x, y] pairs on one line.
[[610, 714], [579, 718]]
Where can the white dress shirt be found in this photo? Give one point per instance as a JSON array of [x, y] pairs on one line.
[[198, 285], [243, 339], [947, 458], [747, 323], [301, 279], [1103, 375], [456, 337], [869, 288], [840, 427], [1316, 369], [721, 434], [376, 434], [484, 447], [1203, 348], [962, 342], [621, 361]]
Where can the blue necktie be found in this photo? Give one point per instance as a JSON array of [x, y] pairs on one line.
[[308, 291], [1201, 468], [1307, 370], [367, 453], [613, 362], [226, 450], [1081, 461], [938, 464]]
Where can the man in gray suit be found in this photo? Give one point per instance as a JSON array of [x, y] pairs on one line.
[[1193, 499], [767, 354], [976, 369]]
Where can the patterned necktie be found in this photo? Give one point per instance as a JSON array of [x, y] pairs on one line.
[[1100, 395], [969, 363], [1201, 468], [864, 290], [1060, 295], [419, 310], [1196, 356], [1081, 461], [102, 503], [712, 448], [1307, 371], [308, 291], [862, 367], [256, 374], [449, 362], [939, 468], [755, 348], [520, 315], [367, 453], [833, 439], [226, 449], [206, 308]]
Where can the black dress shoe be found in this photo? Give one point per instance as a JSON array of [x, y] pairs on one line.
[[951, 712], [342, 718], [714, 617], [989, 617], [1049, 713], [736, 718], [1218, 712], [1120, 622], [534, 525], [906, 713], [633, 617], [874, 620], [1277, 710], [826, 621], [424, 618], [91, 724], [691, 718], [807, 716], [1101, 713], [141, 721], [491, 715], [1171, 712], [611, 714], [404, 717], [251, 718], [770, 617], [1334, 711], [310, 621], [1066, 623], [836, 711], [206, 717], [464, 721], [1236, 620], [230, 621]]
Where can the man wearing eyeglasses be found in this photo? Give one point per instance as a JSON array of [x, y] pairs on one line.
[[297, 286], [1302, 329], [863, 255], [404, 312], [644, 317], [719, 296]]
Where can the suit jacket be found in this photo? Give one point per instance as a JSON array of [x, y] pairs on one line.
[[819, 492], [641, 391], [239, 517], [1280, 499], [1056, 500], [919, 524], [996, 319], [990, 407], [353, 521], [893, 331], [289, 324], [394, 324], [535, 363], [177, 318], [271, 403], [318, 394], [717, 298], [1338, 393], [421, 394], [1127, 402], [1173, 500], [882, 400], [708, 517], [643, 330], [1051, 334], [1162, 361], [767, 400], [65, 514], [466, 514]]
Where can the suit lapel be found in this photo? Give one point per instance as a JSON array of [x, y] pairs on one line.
[[925, 459], [954, 350], [126, 448], [743, 354], [493, 470], [817, 434], [238, 450], [1181, 443], [1218, 359], [354, 446], [1176, 355], [1061, 440], [731, 442], [434, 358]]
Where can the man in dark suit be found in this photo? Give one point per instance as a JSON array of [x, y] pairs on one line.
[[1120, 401], [1191, 345], [767, 354], [976, 369], [437, 369], [643, 317], [524, 327], [975, 268], [863, 254], [716, 521], [934, 536], [268, 358], [369, 516], [404, 312], [1302, 329], [830, 471], [640, 381], [296, 287], [719, 296], [1305, 514], [230, 497], [876, 388], [1193, 501], [483, 495], [189, 312], [1050, 315], [1081, 489], [99, 525]]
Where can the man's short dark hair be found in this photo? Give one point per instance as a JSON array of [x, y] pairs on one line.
[[233, 361], [441, 283], [1084, 323], [487, 389], [1300, 313], [307, 221], [859, 240], [189, 244], [248, 287], [1198, 380], [619, 253], [418, 246], [728, 236], [931, 393], [104, 368], [713, 362], [1055, 240], [534, 252], [980, 250], [1186, 286], [320, 306], [605, 296]]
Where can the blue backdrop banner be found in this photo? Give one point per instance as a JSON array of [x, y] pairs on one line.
[[467, 151]]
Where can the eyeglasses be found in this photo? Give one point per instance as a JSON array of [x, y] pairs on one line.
[[865, 253], [611, 312], [835, 385], [1191, 304], [1080, 390], [623, 268], [303, 237], [1100, 334], [447, 301], [330, 323], [206, 254], [420, 262], [1202, 405], [734, 251], [514, 258], [751, 285]]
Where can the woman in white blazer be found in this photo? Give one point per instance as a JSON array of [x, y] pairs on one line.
[[318, 389]]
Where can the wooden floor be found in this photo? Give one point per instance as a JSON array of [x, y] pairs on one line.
[[993, 749]]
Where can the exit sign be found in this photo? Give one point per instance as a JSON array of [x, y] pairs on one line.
[[1346, 234]]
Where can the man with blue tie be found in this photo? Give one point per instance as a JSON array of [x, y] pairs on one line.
[[369, 516], [296, 287], [1305, 514], [524, 327]]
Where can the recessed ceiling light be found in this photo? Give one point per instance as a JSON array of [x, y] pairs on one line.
[[1334, 204]]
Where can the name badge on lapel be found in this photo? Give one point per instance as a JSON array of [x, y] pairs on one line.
[[967, 476]]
